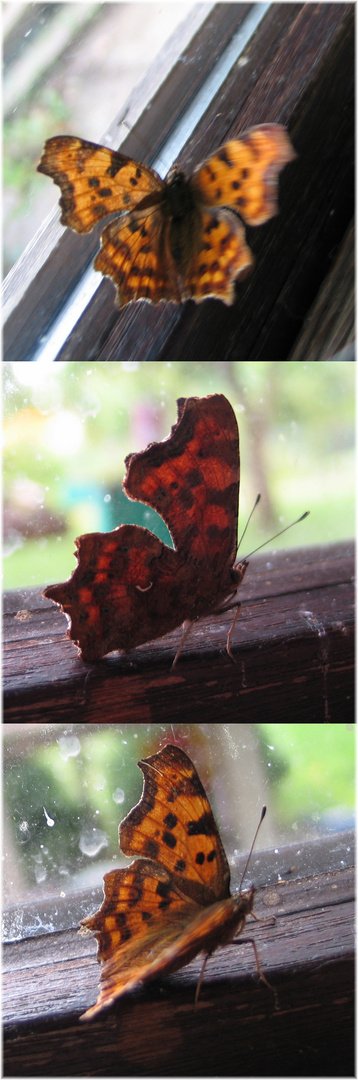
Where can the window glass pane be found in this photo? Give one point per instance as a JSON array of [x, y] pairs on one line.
[[68, 69], [69, 426], [67, 787]]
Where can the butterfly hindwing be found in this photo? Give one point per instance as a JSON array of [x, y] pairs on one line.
[[135, 899], [141, 918], [223, 257], [133, 254]]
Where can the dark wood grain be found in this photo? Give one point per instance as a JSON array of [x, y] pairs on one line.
[[331, 321], [235, 1030], [293, 646]]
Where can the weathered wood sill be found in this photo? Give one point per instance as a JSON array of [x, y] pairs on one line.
[[308, 956], [293, 646]]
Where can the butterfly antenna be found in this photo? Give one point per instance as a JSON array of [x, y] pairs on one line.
[[257, 500], [263, 812], [306, 513]]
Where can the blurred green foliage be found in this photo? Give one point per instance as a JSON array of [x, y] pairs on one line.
[[24, 135], [314, 766], [23, 139]]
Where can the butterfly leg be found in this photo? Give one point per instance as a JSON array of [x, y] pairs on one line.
[[186, 627], [270, 921], [250, 941], [230, 633], [228, 606], [200, 979]]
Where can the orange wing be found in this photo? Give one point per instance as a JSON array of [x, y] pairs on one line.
[[223, 257], [129, 587], [243, 174], [167, 242], [192, 480], [134, 254], [141, 917], [174, 825], [152, 919], [94, 180]]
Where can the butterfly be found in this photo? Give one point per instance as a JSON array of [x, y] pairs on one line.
[[174, 900], [174, 238], [129, 587]]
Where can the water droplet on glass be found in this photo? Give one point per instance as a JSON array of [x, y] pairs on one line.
[[70, 746], [91, 841], [100, 783], [40, 874]]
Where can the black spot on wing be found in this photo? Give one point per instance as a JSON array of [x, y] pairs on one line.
[[169, 840], [170, 821], [204, 826]]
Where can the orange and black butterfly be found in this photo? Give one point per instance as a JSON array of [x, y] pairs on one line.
[[174, 901], [175, 238]]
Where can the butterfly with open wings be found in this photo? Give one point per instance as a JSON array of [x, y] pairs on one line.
[[176, 238]]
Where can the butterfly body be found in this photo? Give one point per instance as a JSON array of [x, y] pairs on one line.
[[184, 229], [174, 900], [129, 587], [210, 929], [176, 238]]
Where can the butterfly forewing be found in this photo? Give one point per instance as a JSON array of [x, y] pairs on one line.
[[243, 173], [174, 825], [194, 484], [94, 180]]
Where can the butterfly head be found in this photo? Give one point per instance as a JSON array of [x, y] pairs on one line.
[[238, 573], [245, 901], [179, 196]]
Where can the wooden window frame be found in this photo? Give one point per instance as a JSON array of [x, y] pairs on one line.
[[298, 69], [293, 647], [308, 956]]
